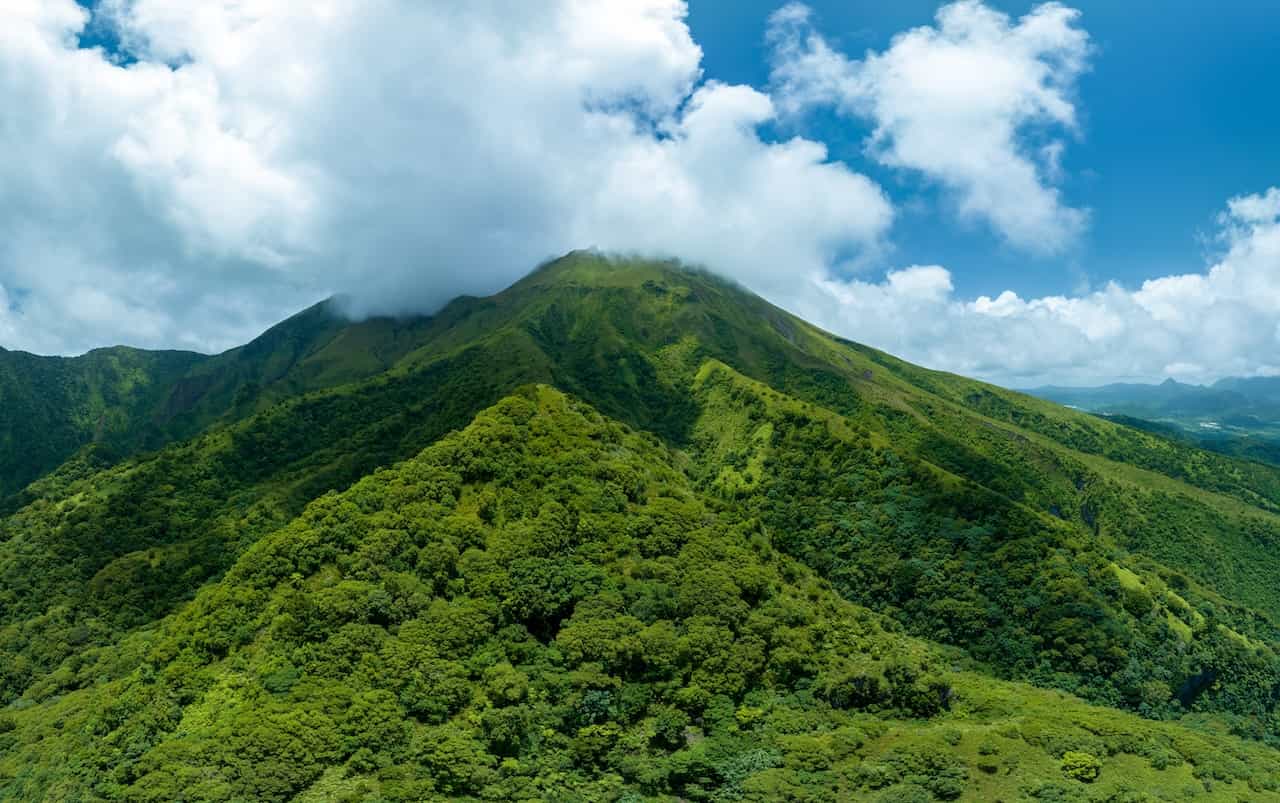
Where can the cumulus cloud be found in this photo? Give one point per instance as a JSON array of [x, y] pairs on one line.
[[957, 102], [1194, 327], [249, 158], [241, 160], [713, 193]]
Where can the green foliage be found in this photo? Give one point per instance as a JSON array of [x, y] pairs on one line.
[[325, 653], [1081, 766], [50, 407], [1022, 591], [307, 655], [717, 595]]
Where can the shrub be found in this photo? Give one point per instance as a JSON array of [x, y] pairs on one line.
[[1081, 767], [909, 793]]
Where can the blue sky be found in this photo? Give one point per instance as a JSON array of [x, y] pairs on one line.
[[1027, 193], [1179, 113]]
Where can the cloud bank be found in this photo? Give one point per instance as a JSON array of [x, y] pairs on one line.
[[1193, 327], [256, 157], [232, 162]]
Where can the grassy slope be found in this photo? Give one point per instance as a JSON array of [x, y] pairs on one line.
[[684, 658], [1029, 594]]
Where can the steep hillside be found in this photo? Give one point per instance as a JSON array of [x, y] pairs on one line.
[[1037, 543], [52, 406], [1030, 594], [123, 401], [543, 607], [315, 349]]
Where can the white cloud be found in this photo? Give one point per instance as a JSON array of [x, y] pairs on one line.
[[957, 103], [712, 192], [1195, 327], [1253, 208], [258, 156]]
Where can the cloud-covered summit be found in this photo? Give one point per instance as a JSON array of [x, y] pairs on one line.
[[230, 163], [1192, 327], [254, 157]]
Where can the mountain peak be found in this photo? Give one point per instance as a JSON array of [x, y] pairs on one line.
[[589, 267]]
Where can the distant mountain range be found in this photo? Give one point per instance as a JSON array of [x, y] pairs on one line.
[[1238, 401], [1236, 415]]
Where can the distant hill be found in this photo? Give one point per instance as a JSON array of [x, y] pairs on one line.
[[625, 531], [1257, 397]]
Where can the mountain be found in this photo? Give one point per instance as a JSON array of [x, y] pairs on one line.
[[1236, 416], [626, 531]]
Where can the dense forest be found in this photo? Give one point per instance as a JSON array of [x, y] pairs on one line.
[[621, 532]]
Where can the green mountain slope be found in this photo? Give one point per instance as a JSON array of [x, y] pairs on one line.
[[1030, 594], [1038, 543], [124, 401], [315, 349], [52, 406], [543, 607]]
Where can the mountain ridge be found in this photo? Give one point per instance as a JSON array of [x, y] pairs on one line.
[[190, 391]]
